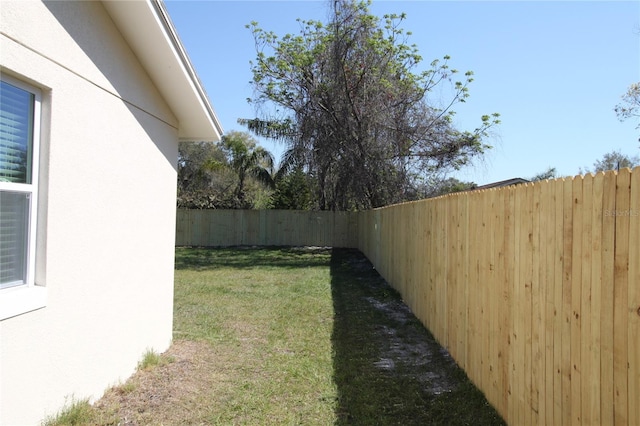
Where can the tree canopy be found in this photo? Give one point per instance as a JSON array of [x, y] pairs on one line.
[[203, 181], [235, 173], [629, 108], [247, 159], [292, 191], [442, 186], [614, 160], [550, 173], [352, 104]]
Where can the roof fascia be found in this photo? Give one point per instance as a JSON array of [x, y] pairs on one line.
[[148, 30]]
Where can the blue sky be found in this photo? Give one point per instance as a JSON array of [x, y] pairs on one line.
[[553, 70]]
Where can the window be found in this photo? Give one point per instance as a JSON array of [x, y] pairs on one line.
[[19, 145]]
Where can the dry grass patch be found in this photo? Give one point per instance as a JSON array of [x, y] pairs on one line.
[[172, 392]]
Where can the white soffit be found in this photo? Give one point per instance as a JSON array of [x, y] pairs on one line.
[[146, 26]]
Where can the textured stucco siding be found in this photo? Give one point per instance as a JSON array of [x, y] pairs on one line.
[[106, 213]]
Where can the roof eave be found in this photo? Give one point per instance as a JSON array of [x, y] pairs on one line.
[[147, 28]]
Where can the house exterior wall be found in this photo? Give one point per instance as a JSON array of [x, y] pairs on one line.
[[106, 210]]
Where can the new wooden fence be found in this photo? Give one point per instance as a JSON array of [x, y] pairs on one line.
[[215, 228], [533, 289]]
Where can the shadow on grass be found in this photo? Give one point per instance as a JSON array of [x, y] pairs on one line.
[[249, 257], [388, 368]]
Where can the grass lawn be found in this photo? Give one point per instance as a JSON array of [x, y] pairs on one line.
[[291, 336]]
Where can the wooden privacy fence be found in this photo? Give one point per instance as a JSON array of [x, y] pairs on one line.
[[533, 289], [216, 228]]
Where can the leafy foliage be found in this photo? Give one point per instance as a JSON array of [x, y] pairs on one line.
[[233, 174], [204, 181], [247, 159], [353, 109], [630, 105], [293, 192], [442, 186], [550, 173], [614, 160]]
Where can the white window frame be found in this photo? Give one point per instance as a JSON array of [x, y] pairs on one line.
[[29, 296]]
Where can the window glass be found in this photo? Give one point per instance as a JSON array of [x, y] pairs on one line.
[[16, 128], [16, 186], [14, 214]]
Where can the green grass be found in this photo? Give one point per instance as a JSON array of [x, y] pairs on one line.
[[77, 412], [151, 359], [286, 336], [300, 333], [268, 314]]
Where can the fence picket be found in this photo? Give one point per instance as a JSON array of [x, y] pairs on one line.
[[606, 299], [587, 372], [567, 312], [595, 300], [547, 239], [517, 373], [576, 304], [556, 302], [633, 336], [620, 297]]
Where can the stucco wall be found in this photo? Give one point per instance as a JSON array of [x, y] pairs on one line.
[[107, 210]]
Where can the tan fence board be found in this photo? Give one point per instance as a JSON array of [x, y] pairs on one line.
[[606, 299], [547, 277], [633, 336], [620, 295], [597, 217], [576, 304], [518, 339], [587, 375], [537, 310], [557, 195], [567, 311]]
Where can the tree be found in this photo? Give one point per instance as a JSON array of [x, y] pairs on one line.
[[203, 179], [613, 160], [193, 161], [247, 160], [231, 174], [354, 114], [442, 186], [550, 173], [293, 192], [630, 105]]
